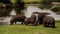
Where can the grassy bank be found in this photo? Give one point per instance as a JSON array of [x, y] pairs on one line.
[[22, 29]]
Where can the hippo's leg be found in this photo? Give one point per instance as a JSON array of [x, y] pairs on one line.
[[45, 24], [48, 25], [22, 22], [32, 23], [40, 22], [26, 23], [15, 22], [36, 23], [53, 25], [11, 23]]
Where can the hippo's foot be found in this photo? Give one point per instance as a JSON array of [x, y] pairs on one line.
[[10, 24]]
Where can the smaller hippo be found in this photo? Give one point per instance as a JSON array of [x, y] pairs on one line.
[[49, 21], [31, 20]]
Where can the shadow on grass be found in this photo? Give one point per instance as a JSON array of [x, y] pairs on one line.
[[50, 27]]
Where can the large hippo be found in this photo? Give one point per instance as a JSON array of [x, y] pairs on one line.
[[49, 21], [40, 16], [31, 20], [17, 18]]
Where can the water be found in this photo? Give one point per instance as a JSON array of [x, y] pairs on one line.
[[31, 9], [13, 12], [57, 17], [7, 19]]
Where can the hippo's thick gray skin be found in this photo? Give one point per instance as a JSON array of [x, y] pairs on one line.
[[31, 20], [49, 21], [17, 18], [40, 16]]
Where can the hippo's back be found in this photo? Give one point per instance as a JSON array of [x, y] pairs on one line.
[[48, 19]]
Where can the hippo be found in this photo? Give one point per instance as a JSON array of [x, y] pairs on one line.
[[17, 18], [49, 21], [40, 16], [31, 20]]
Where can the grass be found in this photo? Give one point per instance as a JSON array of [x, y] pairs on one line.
[[23, 29]]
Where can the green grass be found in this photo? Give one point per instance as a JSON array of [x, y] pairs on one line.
[[23, 29]]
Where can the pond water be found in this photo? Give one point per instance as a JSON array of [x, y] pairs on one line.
[[31, 9]]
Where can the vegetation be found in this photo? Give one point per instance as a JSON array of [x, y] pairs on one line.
[[5, 12], [5, 1], [13, 3], [23, 29], [56, 9]]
